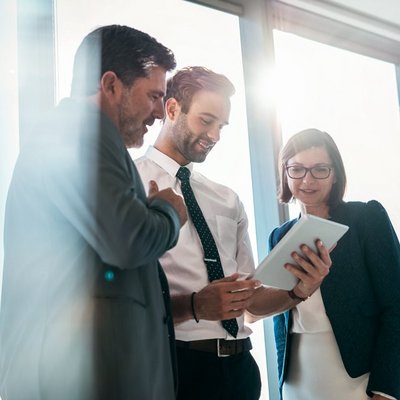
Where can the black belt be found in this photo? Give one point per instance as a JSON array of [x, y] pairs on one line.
[[220, 347]]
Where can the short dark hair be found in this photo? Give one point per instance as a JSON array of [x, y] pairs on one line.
[[304, 140], [189, 80], [127, 52]]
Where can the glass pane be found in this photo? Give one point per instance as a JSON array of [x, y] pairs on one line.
[[354, 99], [9, 140], [196, 34]]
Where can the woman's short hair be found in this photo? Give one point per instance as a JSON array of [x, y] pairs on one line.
[[304, 140]]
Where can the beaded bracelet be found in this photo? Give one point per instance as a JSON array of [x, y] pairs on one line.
[[192, 306]]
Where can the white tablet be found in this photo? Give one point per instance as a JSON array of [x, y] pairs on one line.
[[307, 230]]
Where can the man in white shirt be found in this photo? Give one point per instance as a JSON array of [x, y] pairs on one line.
[[212, 363]]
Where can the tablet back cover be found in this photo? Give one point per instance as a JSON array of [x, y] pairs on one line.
[[307, 230]]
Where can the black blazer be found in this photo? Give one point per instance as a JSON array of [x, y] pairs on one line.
[[361, 296]]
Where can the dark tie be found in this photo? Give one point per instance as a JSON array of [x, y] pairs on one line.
[[211, 255]]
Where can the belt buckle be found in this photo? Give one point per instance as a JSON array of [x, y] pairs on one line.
[[219, 352]]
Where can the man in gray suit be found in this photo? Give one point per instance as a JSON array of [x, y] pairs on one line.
[[83, 301]]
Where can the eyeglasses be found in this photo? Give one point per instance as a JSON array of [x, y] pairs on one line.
[[317, 172]]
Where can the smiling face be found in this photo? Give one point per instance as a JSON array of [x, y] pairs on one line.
[[193, 135], [311, 193], [140, 105]]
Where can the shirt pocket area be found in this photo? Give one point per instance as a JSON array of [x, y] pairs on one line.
[[227, 236]]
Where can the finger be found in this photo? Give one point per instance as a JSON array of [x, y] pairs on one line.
[[303, 265], [244, 286], [230, 278], [319, 263], [299, 273], [153, 188], [310, 275], [242, 296], [324, 252], [296, 267], [311, 270]]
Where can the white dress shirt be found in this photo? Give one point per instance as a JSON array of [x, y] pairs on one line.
[[184, 265], [315, 356]]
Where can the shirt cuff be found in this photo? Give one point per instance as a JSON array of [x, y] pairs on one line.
[[383, 394]]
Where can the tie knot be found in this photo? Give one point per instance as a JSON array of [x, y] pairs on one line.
[[183, 174]]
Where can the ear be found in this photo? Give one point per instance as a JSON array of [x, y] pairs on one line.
[[111, 86], [172, 108]]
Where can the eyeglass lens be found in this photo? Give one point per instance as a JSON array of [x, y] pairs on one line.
[[317, 172]]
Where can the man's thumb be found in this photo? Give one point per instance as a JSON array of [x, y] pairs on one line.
[[153, 188]]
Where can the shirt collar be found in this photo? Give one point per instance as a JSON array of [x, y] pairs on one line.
[[165, 162]]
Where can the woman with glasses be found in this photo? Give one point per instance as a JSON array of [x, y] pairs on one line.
[[343, 342]]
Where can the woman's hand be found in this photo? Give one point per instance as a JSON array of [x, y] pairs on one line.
[[310, 272]]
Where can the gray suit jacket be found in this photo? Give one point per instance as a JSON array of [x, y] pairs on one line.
[[83, 314], [361, 296]]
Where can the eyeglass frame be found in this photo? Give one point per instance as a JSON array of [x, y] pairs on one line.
[[309, 170]]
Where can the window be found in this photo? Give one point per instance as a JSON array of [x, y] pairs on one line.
[[9, 139], [353, 98]]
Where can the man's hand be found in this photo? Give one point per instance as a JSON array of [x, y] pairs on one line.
[[311, 272], [224, 298], [169, 195]]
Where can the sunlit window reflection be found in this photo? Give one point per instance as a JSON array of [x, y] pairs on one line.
[[353, 98]]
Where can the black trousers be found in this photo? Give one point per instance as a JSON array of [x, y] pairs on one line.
[[205, 376]]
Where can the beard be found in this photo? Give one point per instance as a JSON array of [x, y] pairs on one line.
[[186, 141], [132, 127], [131, 130]]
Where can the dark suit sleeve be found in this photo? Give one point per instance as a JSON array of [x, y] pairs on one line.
[[102, 196], [382, 256]]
